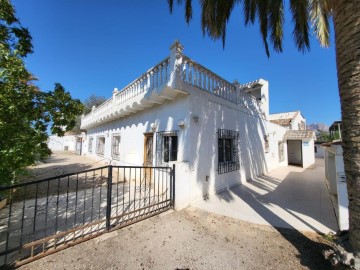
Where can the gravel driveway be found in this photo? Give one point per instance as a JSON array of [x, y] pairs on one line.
[[193, 239]]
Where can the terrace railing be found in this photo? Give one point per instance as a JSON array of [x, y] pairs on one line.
[[176, 67]]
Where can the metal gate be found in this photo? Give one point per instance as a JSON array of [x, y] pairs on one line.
[[44, 216]]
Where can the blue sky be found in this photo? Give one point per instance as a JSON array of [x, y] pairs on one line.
[[92, 46]]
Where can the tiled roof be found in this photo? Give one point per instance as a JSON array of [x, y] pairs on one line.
[[285, 115], [299, 134], [282, 122]]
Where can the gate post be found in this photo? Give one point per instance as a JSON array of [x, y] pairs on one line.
[[108, 204], [173, 186]]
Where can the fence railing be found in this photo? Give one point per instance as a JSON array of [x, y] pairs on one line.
[[45, 216]]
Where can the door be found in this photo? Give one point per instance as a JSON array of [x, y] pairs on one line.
[[78, 146], [294, 149], [148, 154]]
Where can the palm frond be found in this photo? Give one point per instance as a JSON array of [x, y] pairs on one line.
[[319, 17], [188, 11], [299, 10], [276, 22], [249, 8], [262, 7], [215, 15], [171, 5]]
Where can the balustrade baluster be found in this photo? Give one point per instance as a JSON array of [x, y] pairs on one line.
[[166, 71], [155, 72], [199, 77], [190, 72], [204, 80], [184, 71], [195, 75], [161, 74], [147, 81]]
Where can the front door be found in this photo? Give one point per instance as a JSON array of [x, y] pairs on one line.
[[148, 154]]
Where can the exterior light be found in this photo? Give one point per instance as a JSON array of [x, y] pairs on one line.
[[181, 123]]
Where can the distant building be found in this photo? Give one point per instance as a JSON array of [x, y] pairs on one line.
[[335, 130], [64, 143], [300, 142]]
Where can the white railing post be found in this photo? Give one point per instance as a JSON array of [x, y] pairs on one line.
[[175, 61]]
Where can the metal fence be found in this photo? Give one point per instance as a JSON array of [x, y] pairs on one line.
[[45, 216]]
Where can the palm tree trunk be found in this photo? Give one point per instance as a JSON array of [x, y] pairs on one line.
[[347, 40]]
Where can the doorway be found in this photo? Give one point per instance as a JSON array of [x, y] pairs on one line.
[[148, 154], [294, 151]]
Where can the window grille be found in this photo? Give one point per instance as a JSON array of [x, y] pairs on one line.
[[228, 153], [115, 146], [166, 146], [100, 146], [90, 146]]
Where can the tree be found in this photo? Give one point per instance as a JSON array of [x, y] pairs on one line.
[[215, 15], [91, 101], [26, 112]]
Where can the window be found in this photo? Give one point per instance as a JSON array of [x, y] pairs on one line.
[[266, 140], [90, 146], [167, 146], [100, 145], [228, 159], [315, 149], [281, 151], [115, 146]]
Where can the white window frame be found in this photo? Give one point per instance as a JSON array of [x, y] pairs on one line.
[[91, 144], [115, 149], [98, 151]]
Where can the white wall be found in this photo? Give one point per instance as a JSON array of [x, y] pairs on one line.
[[320, 153], [308, 153], [296, 121], [56, 143], [335, 178]]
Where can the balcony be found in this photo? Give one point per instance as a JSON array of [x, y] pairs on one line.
[[165, 81]]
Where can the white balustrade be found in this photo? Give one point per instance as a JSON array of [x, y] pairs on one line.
[[190, 72]]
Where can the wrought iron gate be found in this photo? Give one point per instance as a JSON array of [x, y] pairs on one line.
[[45, 216]]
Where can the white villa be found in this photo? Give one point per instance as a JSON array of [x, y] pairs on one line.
[[217, 133]]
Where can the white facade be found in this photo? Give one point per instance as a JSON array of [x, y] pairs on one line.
[[65, 143], [214, 124], [336, 182]]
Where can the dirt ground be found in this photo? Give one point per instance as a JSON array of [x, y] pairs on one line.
[[192, 239], [61, 162]]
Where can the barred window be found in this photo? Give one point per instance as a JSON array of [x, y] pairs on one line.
[[228, 156], [281, 151], [166, 146], [115, 146], [100, 145], [90, 146]]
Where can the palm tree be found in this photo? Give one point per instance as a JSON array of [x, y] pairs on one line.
[[308, 15]]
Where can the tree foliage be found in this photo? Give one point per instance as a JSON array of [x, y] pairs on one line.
[[306, 14], [26, 112], [91, 101]]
